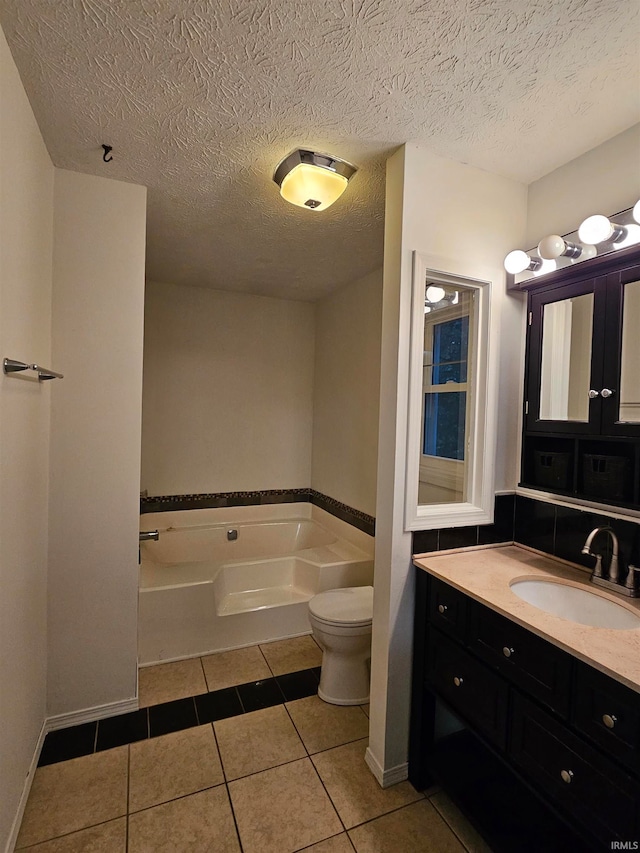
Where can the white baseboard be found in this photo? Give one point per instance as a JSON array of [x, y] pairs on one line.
[[15, 827], [386, 778], [87, 715]]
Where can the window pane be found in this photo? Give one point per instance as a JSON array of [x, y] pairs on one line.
[[444, 420], [450, 343]]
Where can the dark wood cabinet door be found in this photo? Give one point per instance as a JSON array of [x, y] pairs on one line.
[[578, 779], [530, 662], [448, 609], [621, 330], [608, 713], [550, 369], [479, 695]]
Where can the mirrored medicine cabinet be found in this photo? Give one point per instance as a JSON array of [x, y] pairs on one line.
[[450, 427], [581, 433]]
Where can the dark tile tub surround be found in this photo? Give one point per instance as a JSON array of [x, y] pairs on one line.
[[179, 714], [214, 500], [553, 528]]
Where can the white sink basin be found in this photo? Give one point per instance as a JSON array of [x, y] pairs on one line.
[[575, 604]]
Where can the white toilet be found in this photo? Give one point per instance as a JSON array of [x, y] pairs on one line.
[[341, 624]]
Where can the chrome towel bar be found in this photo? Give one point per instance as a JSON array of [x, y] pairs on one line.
[[10, 365]]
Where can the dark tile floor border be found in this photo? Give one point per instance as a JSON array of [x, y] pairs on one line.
[[166, 717], [215, 500]]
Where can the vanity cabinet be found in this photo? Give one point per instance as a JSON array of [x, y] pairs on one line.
[[505, 719], [582, 384]]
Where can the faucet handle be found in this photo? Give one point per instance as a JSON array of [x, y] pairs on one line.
[[630, 582], [597, 570]]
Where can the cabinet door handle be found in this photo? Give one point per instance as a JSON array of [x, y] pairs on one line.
[[609, 720], [566, 776], [507, 652], [442, 608], [593, 394], [457, 681], [607, 392]]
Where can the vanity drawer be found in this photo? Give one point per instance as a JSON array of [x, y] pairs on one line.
[[572, 774], [530, 662], [470, 688], [447, 609], [608, 713]]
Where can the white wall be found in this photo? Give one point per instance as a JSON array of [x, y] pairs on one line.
[[97, 334], [26, 235], [346, 393], [444, 208], [228, 391], [604, 180]]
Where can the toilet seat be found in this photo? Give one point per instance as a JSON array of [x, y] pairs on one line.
[[351, 606]]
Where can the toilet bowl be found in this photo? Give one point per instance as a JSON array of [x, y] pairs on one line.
[[341, 624]]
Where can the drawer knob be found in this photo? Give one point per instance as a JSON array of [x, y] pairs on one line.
[[507, 652], [566, 776], [457, 681], [442, 608], [609, 720]]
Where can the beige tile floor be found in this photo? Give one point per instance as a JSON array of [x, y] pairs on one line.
[[287, 778], [168, 681]]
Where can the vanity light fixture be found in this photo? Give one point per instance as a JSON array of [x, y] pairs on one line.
[[519, 261], [636, 211], [312, 180], [600, 229]]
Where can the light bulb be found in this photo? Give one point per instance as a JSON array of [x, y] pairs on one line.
[[435, 293], [636, 211], [632, 236], [598, 229], [553, 246], [518, 261]]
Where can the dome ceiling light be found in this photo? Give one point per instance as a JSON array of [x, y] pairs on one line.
[[312, 180]]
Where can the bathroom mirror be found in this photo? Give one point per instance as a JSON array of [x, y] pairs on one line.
[[629, 411], [449, 443], [566, 359]]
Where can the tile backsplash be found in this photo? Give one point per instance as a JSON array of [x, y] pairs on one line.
[[553, 528]]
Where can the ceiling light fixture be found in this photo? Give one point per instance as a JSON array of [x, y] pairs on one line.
[[600, 229], [312, 180]]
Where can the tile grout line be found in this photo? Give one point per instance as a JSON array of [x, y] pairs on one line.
[[226, 785], [68, 834], [264, 658], [204, 673]]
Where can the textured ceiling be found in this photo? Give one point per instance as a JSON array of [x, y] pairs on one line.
[[201, 98]]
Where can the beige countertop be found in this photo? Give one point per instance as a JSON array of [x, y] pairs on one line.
[[486, 573]]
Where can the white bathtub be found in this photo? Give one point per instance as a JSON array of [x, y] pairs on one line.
[[202, 591]]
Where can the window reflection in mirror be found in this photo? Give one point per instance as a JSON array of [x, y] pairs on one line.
[[630, 361], [566, 359], [447, 390]]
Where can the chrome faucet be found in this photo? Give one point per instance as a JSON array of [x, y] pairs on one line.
[[146, 535], [613, 565], [613, 582]]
